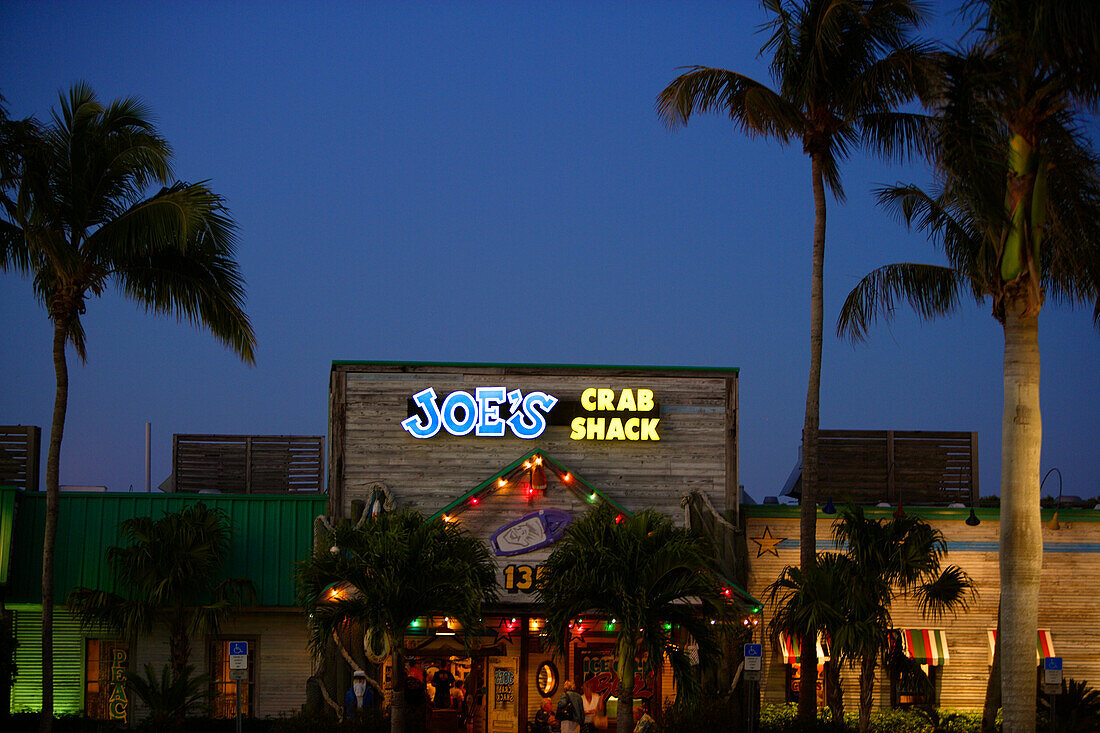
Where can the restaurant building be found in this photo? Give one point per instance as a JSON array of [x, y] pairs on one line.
[[513, 453]]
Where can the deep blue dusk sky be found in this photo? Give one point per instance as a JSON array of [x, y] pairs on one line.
[[490, 182]]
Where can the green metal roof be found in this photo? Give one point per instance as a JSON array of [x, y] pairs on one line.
[[270, 534], [489, 365]]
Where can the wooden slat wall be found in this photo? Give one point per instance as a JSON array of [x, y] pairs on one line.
[[1067, 605], [19, 456], [368, 403], [248, 464], [913, 467]]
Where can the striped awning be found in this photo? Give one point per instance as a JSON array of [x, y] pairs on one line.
[[790, 649], [925, 646], [1044, 645]]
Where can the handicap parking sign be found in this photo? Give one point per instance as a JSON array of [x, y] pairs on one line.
[[238, 647]]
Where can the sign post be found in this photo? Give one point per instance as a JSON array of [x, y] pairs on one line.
[[1052, 683], [753, 658], [238, 671]]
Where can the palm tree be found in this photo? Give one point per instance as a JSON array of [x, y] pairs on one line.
[[167, 572], [848, 594], [1016, 210], [842, 68], [647, 576], [385, 572], [76, 217], [899, 557], [819, 600]]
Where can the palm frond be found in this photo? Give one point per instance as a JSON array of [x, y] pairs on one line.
[[755, 108], [951, 591], [931, 291]]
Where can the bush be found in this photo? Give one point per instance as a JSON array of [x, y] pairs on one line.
[[784, 719], [705, 716], [28, 723]]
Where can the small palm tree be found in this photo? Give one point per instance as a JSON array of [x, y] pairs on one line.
[[76, 216], [819, 600], [900, 557], [168, 572], [172, 696], [1016, 210], [387, 571], [644, 574], [842, 67]]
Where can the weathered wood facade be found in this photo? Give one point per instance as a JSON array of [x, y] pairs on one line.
[[1067, 607], [633, 437], [368, 402]]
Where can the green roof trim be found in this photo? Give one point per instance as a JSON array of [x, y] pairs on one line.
[[271, 532], [489, 365], [993, 514], [487, 485]]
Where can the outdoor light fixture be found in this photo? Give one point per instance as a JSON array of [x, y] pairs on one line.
[[538, 477], [444, 628], [1053, 520], [829, 508], [972, 520]]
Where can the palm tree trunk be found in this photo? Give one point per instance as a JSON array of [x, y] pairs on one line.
[[53, 496], [179, 646], [397, 688], [626, 667], [834, 693], [807, 698], [993, 686], [1021, 551], [866, 689]]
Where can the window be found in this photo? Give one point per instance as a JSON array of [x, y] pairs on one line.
[[918, 687], [105, 666], [223, 688], [794, 683]]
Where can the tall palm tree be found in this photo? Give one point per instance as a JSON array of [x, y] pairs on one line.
[[76, 217], [842, 68], [647, 575], [385, 572], [1016, 209], [169, 571]]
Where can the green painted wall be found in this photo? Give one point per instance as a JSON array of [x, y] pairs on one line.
[[68, 654]]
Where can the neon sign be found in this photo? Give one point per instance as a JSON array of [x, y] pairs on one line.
[[461, 413], [493, 412], [616, 428]]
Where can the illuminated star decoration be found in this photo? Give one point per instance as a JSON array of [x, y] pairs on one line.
[[507, 627], [766, 543], [576, 632]]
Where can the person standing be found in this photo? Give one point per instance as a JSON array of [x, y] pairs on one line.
[[645, 721], [570, 709], [360, 697], [442, 681], [591, 701]]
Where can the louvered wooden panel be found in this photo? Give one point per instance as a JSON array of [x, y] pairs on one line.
[[248, 464], [914, 467], [19, 453]]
